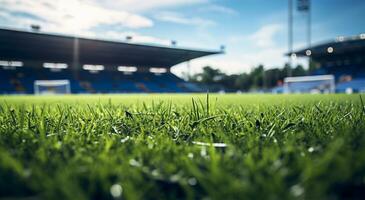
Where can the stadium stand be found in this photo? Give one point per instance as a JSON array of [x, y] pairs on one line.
[[21, 81], [90, 65], [344, 58], [356, 85]]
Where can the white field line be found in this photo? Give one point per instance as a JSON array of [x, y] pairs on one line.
[[218, 145]]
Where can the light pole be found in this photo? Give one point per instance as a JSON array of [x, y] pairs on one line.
[[290, 34], [309, 29], [305, 6]]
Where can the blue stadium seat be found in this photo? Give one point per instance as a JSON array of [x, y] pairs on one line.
[[357, 85], [21, 80]]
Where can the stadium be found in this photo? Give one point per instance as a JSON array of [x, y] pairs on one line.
[[59, 64], [343, 59], [91, 107], [33, 62]]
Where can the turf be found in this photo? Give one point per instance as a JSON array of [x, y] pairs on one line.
[[182, 147]]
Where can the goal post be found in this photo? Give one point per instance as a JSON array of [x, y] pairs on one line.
[[310, 84], [52, 87]]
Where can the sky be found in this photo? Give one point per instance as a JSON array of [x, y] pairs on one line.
[[253, 31]]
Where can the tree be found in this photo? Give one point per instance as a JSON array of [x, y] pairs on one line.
[[243, 82], [272, 77], [299, 71], [257, 78], [210, 75]]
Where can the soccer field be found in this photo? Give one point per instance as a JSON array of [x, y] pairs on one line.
[[182, 146]]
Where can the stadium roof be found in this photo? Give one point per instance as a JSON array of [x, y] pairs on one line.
[[35, 46], [341, 45]]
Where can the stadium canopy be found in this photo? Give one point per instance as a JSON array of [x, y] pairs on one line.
[[34, 46], [342, 45]]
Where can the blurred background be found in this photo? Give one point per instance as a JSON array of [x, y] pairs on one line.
[[135, 46]]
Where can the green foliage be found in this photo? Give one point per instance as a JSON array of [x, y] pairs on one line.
[[257, 78], [162, 147]]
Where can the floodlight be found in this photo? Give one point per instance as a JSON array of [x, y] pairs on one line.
[[308, 52], [127, 69], [6, 63], [93, 67], [293, 56], [158, 70], [362, 36], [55, 65]]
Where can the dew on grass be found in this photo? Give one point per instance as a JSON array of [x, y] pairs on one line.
[[123, 140], [155, 172], [175, 178], [134, 163], [192, 181], [203, 151], [297, 190], [116, 190], [277, 164], [27, 172]]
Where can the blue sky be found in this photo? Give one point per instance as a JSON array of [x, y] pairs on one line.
[[253, 31]]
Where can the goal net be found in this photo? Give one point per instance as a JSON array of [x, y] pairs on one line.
[[52, 87], [310, 84]]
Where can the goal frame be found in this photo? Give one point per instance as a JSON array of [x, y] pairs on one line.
[[329, 78], [51, 83]]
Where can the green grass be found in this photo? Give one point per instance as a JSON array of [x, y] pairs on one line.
[[162, 147]]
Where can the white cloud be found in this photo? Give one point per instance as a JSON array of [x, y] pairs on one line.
[[84, 17], [259, 47], [236, 62], [240, 61], [229, 64], [219, 9], [144, 5], [68, 16], [264, 37], [181, 19], [269, 57]]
